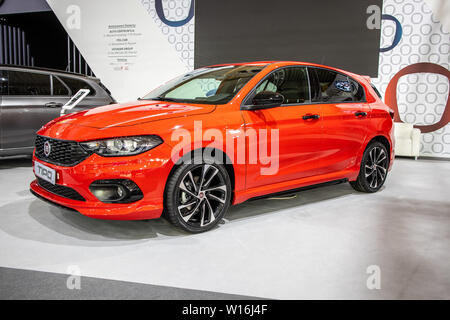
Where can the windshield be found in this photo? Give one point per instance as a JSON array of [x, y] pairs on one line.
[[213, 85]]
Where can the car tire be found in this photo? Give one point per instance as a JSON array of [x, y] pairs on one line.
[[373, 170], [197, 196]]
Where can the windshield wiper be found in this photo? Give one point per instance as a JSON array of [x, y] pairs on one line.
[[160, 99], [165, 99]]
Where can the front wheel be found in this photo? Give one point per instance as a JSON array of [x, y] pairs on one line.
[[197, 196], [374, 168]]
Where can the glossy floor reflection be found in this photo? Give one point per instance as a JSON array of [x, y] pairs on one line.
[[318, 245]]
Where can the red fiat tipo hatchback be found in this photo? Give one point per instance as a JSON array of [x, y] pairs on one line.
[[213, 137]]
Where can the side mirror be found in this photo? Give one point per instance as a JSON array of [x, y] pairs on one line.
[[265, 100]]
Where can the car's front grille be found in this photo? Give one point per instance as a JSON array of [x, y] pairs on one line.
[[61, 191], [61, 152]]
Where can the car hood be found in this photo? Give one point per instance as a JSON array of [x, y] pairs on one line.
[[135, 113]]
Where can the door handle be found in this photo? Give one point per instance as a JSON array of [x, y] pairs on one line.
[[360, 114], [311, 116], [53, 105]]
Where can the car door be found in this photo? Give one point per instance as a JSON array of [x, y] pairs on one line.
[[345, 116], [96, 97], [298, 124], [26, 108], [61, 94]]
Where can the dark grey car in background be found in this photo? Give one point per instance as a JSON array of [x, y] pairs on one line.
[[31, 97]]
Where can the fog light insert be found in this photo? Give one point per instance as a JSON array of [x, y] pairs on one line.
[[108, 193], [116, 191]]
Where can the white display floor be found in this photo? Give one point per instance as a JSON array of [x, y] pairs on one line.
[[318, 245]]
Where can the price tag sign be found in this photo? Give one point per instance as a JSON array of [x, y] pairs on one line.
[[76, 99]]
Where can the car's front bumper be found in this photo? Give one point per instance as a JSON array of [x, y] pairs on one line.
[[149, 171]]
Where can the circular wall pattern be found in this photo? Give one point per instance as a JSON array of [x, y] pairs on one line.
[[181, 38], [422, 98]]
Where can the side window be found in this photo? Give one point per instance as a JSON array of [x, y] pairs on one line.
[[267, 85], [75, 85], [291, 82], [59, 89], [28, 84], [357, 91], [335, 87], [316, 94], [3, 82]]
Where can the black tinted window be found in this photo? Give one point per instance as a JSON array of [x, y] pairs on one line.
[[334, 87], [58, 88], [357, 91], [314, 85], [28, 84], [3, 82], [75, 85], [292, 83]]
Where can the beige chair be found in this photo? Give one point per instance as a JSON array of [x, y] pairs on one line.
[[407, 140]]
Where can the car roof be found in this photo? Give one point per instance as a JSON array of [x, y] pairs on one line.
[[50, 71], [285, 63], [255, 63]]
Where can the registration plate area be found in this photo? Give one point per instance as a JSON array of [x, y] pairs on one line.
[[44, 172]]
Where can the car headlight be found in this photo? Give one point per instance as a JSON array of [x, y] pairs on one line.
[[123, 146]]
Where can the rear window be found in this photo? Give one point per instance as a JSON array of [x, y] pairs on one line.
[[75, 85], [59, 89], [328, 86]]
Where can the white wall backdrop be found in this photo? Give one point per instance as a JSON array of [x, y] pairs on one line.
[[181, 38], [128, 50], [422, 97]]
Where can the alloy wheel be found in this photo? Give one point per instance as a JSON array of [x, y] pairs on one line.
[[376, 166], [201, 195]]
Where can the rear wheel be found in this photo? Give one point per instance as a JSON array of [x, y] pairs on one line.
[[374, 168], [197, 196]]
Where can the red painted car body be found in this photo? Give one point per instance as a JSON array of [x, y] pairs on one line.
[[311, 152]]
